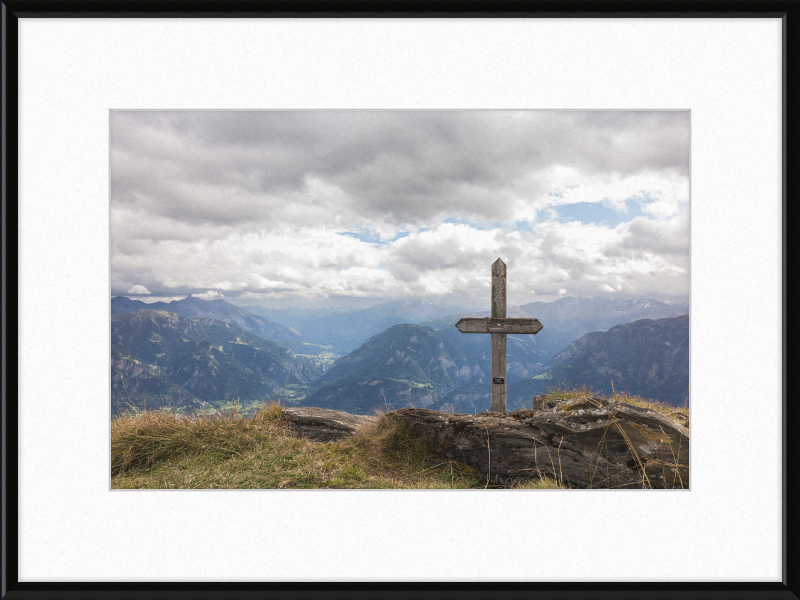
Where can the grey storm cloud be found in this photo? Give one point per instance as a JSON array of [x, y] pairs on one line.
[[429, 254], [395, 166]]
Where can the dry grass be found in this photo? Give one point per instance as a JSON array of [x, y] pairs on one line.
[[559, 392], [144, 438], [660, 407], [543, 483]]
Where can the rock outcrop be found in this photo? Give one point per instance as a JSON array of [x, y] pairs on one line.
[[322, 424], [585, 442]]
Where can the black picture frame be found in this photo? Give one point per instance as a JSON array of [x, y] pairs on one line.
[[12, 10]]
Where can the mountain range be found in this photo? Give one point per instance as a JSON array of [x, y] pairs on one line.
[[215, 352]]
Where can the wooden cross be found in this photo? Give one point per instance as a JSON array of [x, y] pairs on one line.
[[499, 327]]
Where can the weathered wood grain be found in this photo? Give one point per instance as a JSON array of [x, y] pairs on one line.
[[498, 372], [479, 325], [499, 289]]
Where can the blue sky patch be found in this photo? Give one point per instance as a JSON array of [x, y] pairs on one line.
[[473, 224], [599, 212], [372, 237]]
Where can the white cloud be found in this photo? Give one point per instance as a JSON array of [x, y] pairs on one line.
[[660, 193], [209, 295], [227, 285], [642, 257], [139, 290], [271, 204], [152, 299]]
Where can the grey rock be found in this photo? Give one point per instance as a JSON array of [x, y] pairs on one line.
[[322, 424], [585, 442]]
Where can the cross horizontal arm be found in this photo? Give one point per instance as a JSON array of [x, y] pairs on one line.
[[479, 325]]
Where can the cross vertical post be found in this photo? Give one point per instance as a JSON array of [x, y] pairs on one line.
[[499, 326], [498, 339]]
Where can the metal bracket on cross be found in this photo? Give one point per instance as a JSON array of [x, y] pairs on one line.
[[499, 327]]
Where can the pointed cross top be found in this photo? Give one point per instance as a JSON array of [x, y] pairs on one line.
[[499, 289]]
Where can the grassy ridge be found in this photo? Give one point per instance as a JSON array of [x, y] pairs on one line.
[[162, 450]]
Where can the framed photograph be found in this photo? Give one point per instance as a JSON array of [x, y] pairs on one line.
[[291, 167]]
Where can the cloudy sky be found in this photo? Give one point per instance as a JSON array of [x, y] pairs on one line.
[[324, 208]]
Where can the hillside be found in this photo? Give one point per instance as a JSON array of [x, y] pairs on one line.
[[410, 365], [139, 384], [647, 358], [406, 365], [524, 355], [162, 358]]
